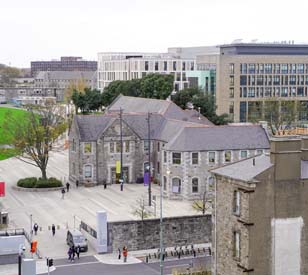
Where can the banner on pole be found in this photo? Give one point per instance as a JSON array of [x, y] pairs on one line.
[[118, 167], [2, 189], [146, 178]]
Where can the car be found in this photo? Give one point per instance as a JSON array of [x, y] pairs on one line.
[[75, 238]]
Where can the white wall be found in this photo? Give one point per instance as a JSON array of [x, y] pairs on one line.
[[286, 246]]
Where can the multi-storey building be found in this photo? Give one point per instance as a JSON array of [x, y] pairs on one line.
[[250, 75], [260, 212], [184, 146], [67, 63], [128, 66]]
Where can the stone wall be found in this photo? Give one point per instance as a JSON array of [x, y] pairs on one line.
[[139, 235]]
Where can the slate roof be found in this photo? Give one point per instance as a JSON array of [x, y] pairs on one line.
[[172, 125], [163, 107], [244, 170], [219, 138]]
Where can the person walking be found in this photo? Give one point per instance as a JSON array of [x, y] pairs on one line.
[[78, 251], [35, 228], [53, 229], [119, 253], [69, 254], [63, 192], [73, 254], [77, 183], [125, 252], [67, 186]]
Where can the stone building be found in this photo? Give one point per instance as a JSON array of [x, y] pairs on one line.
[[260, 215], [184, 145]]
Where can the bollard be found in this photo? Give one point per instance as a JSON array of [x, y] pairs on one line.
[[171, 253], [194, 252], [210, 251], [146, 259]]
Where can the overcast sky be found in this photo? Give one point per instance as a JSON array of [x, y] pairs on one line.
[[48, 29]]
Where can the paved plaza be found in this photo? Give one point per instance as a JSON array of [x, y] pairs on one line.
[[49, 208]]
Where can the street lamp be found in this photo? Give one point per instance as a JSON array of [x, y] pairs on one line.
[[121, 141], [31, 227]]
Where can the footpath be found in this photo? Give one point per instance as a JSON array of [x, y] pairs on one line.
[[134, 257]]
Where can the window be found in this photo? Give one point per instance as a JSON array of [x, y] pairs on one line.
[[88, 171], [165, 157], [146, 65], [158, 146], [73, 145], [174, 65], [211, 157], [300, 68], [268, 68], [176, 158], [87, 148], [231, 108], [243, 154], [156, 66], [243, 68], [126, 146], [195, 158], [284, 68], [227, 156], [111, 147], [236, 245], [183, 66], [231, 68], [251, 68], [232, 80], [145, 145], [210, 184], [158, 167], [165, 183], [243, 80], [118, 147], [236, 202], [231, 92], [195, 185], [165, 66], [176, 185]]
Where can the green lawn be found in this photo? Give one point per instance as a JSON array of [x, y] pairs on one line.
[[4, 137]]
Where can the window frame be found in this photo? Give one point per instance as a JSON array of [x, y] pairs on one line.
[[192, 158], [179, 186], [240, 154], [236, 201], [173, 158], [84, 171], [194, 185], [237, 245], [85, 147], [165, 157], [224, 152], [208, 158]]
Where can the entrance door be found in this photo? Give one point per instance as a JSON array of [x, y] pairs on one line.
[[114, 175]]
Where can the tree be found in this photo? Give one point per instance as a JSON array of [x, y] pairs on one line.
[[89, 100], [199, 99], [202, 204], [78, 86], [34, 137], [150, 86], [140, 209], [7, 74]]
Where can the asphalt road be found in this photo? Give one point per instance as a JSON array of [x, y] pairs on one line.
[[90, 266]]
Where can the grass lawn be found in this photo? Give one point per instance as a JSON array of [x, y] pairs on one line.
[[4, 137]]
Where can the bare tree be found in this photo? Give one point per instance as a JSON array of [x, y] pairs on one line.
[[33, 137], [202, 204], [140, 209]]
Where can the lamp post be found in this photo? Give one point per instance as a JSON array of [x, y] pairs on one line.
[[121, 141], [31, 227], [149, 151]]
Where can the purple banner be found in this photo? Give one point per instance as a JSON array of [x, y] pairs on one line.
[[146, 178]]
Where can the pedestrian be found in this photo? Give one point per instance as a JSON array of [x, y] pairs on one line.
[[67, 186], [63, 192], [119, 253], [125, 252], [73, 254], [69, 254], [105, 185], [77, 183], [53, 229], [78, 251], [35, 228]]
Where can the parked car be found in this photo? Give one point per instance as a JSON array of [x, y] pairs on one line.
[[75, 238]]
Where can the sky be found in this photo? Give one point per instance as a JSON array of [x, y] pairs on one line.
[[47, 29]]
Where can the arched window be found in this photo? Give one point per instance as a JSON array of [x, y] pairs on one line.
[[87, 170], [195, 185], [210, 184], [165, 183], [176, 185]]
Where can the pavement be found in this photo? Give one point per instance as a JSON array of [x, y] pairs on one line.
[[48, 208]]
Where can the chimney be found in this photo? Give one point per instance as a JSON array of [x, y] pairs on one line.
[[286, 156]]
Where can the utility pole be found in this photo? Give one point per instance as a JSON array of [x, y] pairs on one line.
[[149, 151], [121, 141]]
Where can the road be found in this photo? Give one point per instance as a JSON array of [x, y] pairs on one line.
[[91, 266]]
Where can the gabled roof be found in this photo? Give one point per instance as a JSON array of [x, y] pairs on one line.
[[219, 138], [245, 170]]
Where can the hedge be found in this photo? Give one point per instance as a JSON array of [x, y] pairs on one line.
[[39, 183]]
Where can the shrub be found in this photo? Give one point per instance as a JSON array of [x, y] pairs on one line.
[[27, 182], [39, 183]]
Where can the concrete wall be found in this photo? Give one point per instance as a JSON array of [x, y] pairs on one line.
[[139, 235], [10, 244]]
